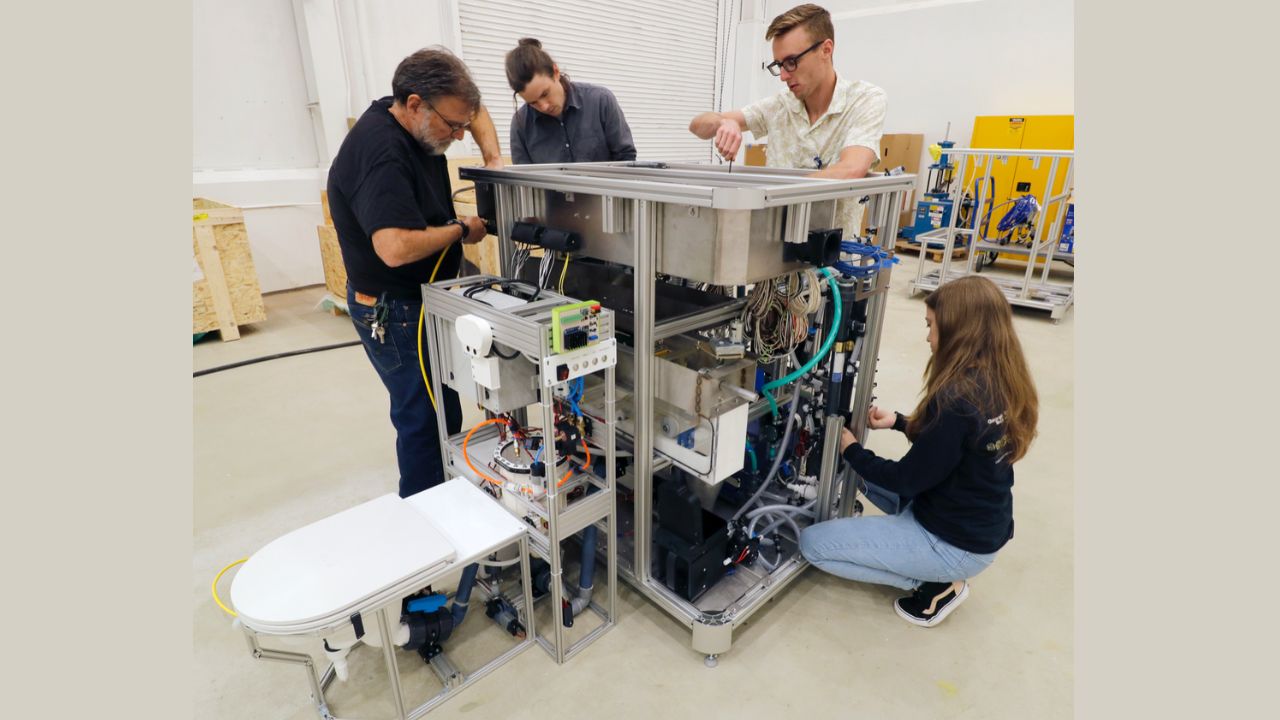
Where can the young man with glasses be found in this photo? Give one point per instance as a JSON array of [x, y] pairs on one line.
[[392, 207], [821, 122]]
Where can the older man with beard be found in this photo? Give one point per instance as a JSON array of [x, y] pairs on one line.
[[392, 206]]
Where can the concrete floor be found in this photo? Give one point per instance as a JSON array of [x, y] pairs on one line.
[[284, 443]]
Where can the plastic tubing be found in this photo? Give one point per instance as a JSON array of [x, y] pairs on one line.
[[781, 519], [826, 347], [777, 458], [769, 566], [463, 596], [806, 509], [586, 576]]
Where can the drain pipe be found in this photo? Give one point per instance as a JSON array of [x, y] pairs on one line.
[[463, 596], [581, 598]]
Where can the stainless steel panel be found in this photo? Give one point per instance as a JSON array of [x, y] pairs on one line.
[[729, 243]]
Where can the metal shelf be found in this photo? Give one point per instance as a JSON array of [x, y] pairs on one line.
[[1027, 290], [1021, 250], [1054, 297]]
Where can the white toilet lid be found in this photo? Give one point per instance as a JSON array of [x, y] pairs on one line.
[[318, 575]]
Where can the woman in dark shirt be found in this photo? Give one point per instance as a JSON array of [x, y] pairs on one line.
[[562, 121], [976, 418]]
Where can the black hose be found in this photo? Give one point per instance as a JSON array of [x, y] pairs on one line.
[[291, 353]]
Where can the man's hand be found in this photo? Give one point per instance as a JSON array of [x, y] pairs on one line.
[[728, 139], [495, 164], [880, 419], [475, 230], [846, 439]]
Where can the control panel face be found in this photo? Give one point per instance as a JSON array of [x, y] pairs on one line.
[[576, 363]]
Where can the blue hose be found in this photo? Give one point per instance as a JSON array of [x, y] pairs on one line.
[[587, 574], [826, 347]]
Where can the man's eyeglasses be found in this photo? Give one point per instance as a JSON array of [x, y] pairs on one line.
[[455, 127], [789, 63]]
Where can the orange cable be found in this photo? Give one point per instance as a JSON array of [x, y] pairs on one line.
[[467, 457]]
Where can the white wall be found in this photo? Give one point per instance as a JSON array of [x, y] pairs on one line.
[[249, 98], [939, 61], [254, 135], [951, 61], [275, 80]]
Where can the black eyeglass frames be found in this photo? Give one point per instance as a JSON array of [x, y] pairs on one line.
[[789, 63]]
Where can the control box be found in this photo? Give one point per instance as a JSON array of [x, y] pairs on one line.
[[575, 326]]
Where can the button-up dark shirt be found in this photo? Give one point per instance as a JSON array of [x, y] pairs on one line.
[[591, 128]]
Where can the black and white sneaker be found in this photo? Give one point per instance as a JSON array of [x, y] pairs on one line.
[[931, 603]]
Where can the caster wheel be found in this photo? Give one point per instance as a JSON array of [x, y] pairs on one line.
[[711, 661], [857, 508]]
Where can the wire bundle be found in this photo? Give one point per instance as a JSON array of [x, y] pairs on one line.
[[518, 259], [546, 269], [777, 313]]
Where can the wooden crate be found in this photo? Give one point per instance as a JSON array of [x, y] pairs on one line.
[[224, 292], [483, 254], [335, 273]]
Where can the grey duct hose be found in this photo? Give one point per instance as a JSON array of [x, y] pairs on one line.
[[580, 597], [463, 596], [777, 459], [784, 513], [765, 532], [806, 509], [769, 566], [774, 497]]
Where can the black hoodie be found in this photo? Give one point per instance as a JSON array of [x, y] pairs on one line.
[[956, 475]]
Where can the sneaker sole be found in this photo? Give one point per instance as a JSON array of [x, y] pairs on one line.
[[940, 616]]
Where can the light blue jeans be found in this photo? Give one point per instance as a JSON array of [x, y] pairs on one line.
[[887, 550]]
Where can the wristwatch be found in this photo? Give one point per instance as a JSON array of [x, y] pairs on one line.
[[461, 225]]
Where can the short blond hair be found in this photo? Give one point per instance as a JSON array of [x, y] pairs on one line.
[[813, 18]]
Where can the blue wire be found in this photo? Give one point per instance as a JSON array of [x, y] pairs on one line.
[[857, 248], [577, 388], [879, 255]]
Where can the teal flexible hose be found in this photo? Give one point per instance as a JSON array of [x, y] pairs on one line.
[[822, 352]]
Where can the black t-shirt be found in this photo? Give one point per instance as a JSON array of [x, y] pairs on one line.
[[383, 178], [956, 475]]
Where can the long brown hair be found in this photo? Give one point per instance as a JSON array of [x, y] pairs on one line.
[[979, 360]]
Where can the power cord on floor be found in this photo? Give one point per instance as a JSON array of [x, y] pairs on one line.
[[214, 587], [264, 358]]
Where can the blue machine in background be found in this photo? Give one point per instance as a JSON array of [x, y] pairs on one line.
[[934, 211], [1067, 243]]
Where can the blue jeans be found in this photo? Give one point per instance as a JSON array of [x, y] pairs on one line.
[[890, 503], [887, 550], [396, 360]]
